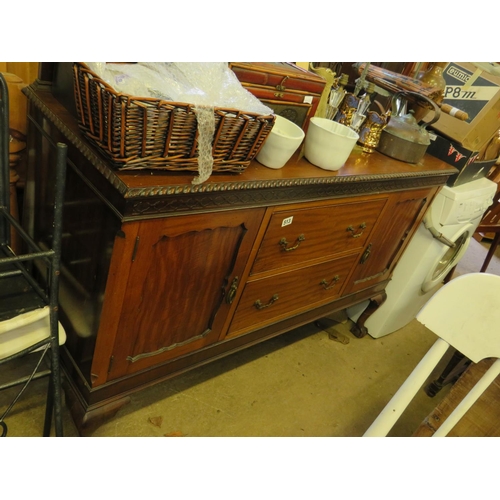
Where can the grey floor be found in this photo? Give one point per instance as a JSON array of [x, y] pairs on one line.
[[302, 383]]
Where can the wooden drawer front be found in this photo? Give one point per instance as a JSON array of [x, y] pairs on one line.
[[270, 299], [316, 233]]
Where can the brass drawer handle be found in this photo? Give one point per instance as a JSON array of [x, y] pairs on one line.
[[332, 283], [360, 230], [284, 243], [259, 305]]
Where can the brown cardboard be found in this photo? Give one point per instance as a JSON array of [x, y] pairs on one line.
[[477, 92]]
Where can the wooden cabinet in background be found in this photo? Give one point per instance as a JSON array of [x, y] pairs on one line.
[[161, 276]]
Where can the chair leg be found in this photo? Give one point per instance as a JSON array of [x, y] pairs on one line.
[[54, 396], [54, 290], [25, 385], [49, 408], [491, 252], [399, 402], [53, 408]]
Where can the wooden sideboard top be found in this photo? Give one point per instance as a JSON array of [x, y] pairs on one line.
[[361, 174]]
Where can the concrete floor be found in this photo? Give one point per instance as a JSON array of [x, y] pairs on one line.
[[299, 384]]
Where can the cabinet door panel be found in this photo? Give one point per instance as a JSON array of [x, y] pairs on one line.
[[397, 224], [301, 235], [181, 271], [270, 299]]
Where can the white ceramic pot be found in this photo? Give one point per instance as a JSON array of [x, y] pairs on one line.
[[328, 144], [283, 140]]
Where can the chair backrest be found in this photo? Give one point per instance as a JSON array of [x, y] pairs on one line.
[[4, 158], [466, 314]]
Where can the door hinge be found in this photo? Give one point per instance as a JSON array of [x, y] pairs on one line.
[[134, 253]]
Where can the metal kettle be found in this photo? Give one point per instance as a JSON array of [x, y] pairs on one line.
[[403, 138]]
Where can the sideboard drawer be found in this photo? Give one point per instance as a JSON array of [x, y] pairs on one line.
[[296, 236], [272, 298]]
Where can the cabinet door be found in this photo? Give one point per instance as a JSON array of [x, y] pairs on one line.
[[178, 288], [397, 224]]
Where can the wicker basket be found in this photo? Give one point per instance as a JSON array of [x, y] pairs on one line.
[[149, 133]]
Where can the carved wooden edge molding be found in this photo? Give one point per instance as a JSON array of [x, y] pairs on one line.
[[96, 161], [228, 186], [356, 184], [191, 202]]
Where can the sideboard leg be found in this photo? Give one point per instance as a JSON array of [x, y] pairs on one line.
[[88, 419], [358, 329], [328, 325]]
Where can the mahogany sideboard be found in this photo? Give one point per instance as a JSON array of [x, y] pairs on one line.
[[161, 276]]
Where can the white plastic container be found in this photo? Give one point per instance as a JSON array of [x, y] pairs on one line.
[[283, 140], [328, 144]]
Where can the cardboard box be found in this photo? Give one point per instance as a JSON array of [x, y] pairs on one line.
[[461, 158], [476, 92]]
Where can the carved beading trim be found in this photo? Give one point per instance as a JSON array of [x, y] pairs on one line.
[[96, 161], [217, 187], [189, 202]]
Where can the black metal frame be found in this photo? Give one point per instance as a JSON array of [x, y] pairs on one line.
[[20, 267]]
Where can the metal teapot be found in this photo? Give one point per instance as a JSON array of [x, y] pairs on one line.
[[403, 138]]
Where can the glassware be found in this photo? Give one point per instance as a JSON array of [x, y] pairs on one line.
[[357, 120], [336, 96], [365, 100]]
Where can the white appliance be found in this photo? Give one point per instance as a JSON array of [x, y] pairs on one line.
[[451, 219]]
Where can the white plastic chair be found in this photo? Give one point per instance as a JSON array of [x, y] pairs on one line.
[[464, 314]]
